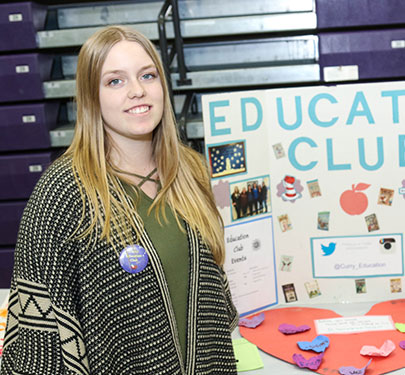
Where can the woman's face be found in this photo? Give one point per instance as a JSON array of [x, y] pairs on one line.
[[131, 94]]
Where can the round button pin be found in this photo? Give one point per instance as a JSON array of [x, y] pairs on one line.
[[134, 258]]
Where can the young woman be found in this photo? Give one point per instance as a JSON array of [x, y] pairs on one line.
[[118, 265], [236, 201]]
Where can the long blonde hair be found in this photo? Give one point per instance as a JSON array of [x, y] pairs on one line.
[[184, 177]]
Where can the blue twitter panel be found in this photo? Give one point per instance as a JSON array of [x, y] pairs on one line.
[[357, 256]]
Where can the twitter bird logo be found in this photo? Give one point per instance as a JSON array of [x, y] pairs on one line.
[[328, 250]]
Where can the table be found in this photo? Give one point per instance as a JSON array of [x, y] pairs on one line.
[[273, 365], [276, 366]]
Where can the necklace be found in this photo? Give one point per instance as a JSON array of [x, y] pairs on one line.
[[143, 178]]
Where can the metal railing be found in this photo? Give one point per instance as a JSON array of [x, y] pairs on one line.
[[170, 8]]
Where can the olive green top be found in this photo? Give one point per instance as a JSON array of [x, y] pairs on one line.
[[172, 246]]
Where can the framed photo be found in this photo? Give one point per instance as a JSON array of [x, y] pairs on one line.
[[250, 197], [227, 159]]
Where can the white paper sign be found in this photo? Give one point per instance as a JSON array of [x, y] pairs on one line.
[[250, 265], [397, 43], [29, 119], [354, 324], [35, 168], [22, 69], [15, 17], [361, 256], [341, 73]]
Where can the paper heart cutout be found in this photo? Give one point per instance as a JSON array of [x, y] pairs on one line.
[[312, 363], [384, 351], [318, 344], [290, 329], [344, 348], [252, 322], [351, 370], [400, 327]]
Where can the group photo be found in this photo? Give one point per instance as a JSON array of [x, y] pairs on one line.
[[250, 197]]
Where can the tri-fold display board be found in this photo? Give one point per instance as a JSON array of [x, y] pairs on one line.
[[310, 184]]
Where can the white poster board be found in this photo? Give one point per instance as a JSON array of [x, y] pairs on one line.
[[334, 157], [237, 167]]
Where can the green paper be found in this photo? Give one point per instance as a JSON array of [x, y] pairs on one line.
[[400, 327], [247, 355]]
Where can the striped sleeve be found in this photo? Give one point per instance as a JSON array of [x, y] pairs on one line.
[[232, 312]]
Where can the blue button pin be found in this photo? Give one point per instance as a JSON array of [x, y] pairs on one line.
[[134, 258]]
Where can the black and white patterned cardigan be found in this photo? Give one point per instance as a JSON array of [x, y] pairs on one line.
[[73, 310]]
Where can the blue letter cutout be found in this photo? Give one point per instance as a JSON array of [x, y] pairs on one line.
[[331, 165], [215, 119], [401, 148], [395, 108], [312, 112], [360, 99], [298, 111], [256, 103], [362, 155], [293, 159]]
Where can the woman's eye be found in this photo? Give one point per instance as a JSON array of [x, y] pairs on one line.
[[114, 82], [148, 76]]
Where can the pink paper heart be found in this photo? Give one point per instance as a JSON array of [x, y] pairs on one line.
[[385, 350]]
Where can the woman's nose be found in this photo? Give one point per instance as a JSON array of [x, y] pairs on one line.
[[135, 90]]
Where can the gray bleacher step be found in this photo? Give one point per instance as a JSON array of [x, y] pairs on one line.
[[253, 52], [257, 76], [131, 12], [244, 77], [62, 136], [249, 53], [76, 37], [205, 27], [199, 18], [112, 13]]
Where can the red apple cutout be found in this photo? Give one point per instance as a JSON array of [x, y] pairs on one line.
[[354, 202]]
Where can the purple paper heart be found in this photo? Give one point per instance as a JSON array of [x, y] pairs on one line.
[[289, 329], [318, 344], [252, 322], [312, 363], [351, 370], [402, 344]]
